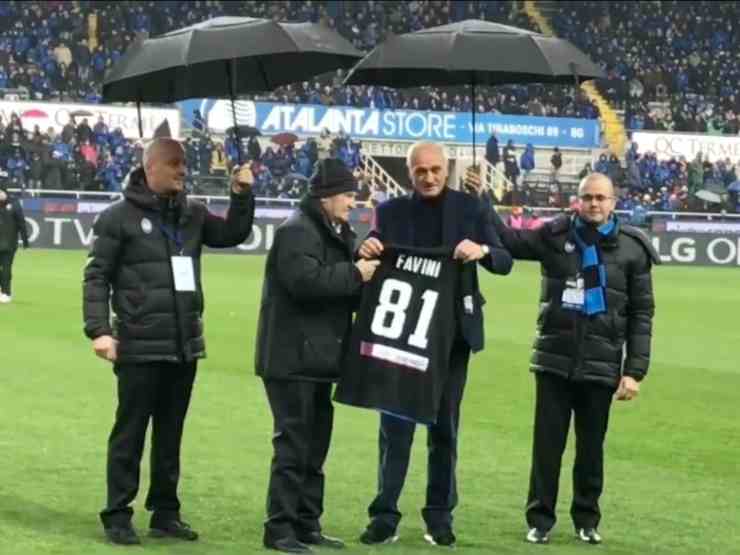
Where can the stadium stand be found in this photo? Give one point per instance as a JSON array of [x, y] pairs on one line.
[[670, 67]]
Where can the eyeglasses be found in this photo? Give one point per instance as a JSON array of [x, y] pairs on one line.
[[597, 198]]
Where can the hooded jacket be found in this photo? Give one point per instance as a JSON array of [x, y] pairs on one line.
[[129, 268]]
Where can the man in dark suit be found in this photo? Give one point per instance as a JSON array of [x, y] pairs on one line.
[[432, 216]]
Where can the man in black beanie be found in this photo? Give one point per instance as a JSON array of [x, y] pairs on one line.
[[310, 290]]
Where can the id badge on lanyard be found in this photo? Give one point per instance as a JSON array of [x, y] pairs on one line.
[[573, 294], [183, 273]]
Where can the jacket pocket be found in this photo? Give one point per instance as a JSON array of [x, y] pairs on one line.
[[320, 354]]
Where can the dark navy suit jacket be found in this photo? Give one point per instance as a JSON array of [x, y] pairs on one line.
[[464, 217]]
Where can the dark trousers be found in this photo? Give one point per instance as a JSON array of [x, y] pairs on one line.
[[159, 391], [396, 437], [303, 416], [556, 399], [6, 270]]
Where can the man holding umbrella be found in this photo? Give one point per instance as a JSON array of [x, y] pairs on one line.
[[145, 264], [432, 216]]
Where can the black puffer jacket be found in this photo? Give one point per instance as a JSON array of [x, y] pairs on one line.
[[135, 239], [310, 289], [580, 347]]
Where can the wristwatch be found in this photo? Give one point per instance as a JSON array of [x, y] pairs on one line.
[[485, 249]]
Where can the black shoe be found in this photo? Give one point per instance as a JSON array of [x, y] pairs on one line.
[[172, 529], [536, 535], [443, 537], [589, 535], [377, 533], [286, 545], [320, 540], [122, 535]]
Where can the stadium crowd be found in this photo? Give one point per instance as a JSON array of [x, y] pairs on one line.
[[685, 56], [669, 68], [95, 158]]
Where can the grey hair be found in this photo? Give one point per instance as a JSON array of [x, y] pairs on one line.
[[425, 144], [153, 146]]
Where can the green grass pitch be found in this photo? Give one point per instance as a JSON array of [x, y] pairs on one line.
[[672, 463]]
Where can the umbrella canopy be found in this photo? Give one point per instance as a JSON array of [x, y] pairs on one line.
[[708, 196], [244, 131], [284, 139], [224, 57], [734, 187], [473, 52], [81, 113]]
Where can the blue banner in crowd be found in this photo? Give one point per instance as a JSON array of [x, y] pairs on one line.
[[395, 125]]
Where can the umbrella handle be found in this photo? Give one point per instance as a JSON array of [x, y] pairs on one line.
[[231, 76], [474, 110], [138, 116]]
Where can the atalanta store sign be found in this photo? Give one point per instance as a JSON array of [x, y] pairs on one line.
[[400, 125]]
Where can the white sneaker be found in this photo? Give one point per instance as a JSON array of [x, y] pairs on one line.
[[5, 299]]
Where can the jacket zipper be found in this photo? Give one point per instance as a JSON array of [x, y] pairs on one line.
[[178, 324]]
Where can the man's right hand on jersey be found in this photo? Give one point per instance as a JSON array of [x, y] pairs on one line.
[[106, 347], [367, 268], [370, 248]]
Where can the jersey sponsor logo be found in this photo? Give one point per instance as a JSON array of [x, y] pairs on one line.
[[396, 356]]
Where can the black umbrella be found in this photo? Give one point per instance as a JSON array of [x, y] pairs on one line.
[[473, 52], [244, 131], [225, 57]]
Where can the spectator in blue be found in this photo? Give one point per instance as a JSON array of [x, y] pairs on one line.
[[638, 217], [199, 124], [302, 164], [602, 165], [60, 150], [526, 161], [492, 153], [17, 167], [112, 176], [116, 138], [100, 130]]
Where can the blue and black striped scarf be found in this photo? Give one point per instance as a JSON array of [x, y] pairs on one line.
[[587, 238]]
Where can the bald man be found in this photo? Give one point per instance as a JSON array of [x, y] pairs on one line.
[[592, 344], [145, 264]]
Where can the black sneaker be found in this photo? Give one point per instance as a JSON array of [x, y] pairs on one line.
[[320, 540], [378, 533], [174, 528], [589, 535], [122, 535], [444, 537], [286, 545], [536, 535]]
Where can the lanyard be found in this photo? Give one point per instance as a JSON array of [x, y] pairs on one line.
[[175, 237]]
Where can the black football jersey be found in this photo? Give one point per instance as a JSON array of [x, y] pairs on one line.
[[398, 356]]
